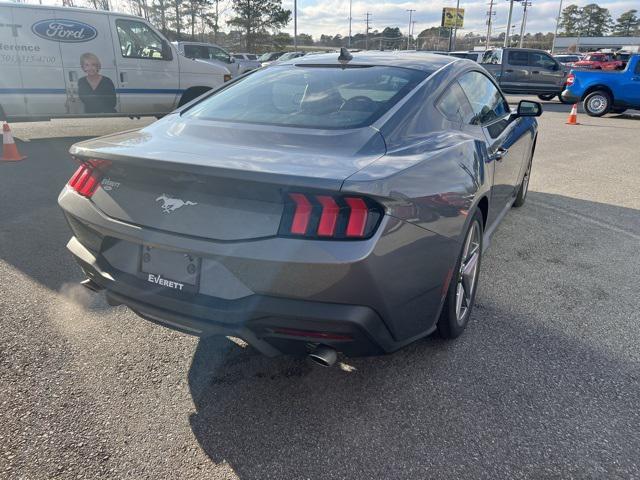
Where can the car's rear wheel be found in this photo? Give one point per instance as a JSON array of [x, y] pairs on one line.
[[597, 103], [464, 283], [547, 96]]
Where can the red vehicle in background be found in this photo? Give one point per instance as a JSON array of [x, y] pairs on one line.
[[600, 61]]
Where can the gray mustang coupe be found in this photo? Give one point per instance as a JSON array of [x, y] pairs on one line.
[[328, 203]]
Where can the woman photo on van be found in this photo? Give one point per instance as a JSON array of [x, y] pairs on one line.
[[97, 92]]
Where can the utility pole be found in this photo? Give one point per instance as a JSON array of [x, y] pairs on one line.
[[366, 39], [295, 24], [507, 36], [413, 33], [455, 30], [525, 4], [555, 33], [411, 10], [349, 41], [490, 14]]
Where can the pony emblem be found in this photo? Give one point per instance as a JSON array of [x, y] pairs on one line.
[[171, 204]]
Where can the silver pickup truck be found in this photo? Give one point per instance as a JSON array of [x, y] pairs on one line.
[[526, 71], [212, 53]]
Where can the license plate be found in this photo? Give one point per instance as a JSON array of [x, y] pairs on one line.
[[174, 270]]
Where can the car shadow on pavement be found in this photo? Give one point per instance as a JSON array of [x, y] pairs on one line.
[[34, 232], [539, 386]]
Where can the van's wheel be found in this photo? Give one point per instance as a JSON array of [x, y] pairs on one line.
[[546, 96], [597, 103], [192, 93], [461, 294]]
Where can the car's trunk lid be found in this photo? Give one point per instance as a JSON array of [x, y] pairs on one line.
[[220, 181]]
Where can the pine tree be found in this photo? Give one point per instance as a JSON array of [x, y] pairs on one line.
[[627, 24]]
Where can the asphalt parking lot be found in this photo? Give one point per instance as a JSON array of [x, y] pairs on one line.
[[544, 383]]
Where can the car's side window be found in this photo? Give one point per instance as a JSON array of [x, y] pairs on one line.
[[218, 54], [137, 40], [542, 60], [486, 101], [518, 58], [453, 104]]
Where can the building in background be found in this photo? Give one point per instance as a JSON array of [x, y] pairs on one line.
[[589, 44]]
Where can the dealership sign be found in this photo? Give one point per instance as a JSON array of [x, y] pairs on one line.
[[69, 31], [452, 17]]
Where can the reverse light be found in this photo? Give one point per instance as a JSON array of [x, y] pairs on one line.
[[87, 177], [329, 217]]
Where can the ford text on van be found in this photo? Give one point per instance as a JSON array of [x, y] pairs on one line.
[[58, 62]]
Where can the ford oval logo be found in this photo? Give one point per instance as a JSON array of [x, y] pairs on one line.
[[60, 30]]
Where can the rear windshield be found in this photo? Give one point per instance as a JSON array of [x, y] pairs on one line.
[[324, 97]]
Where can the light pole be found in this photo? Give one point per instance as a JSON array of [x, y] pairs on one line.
[[295, 24], [455, 29], [506, 37], [555, 33], [525, 4], [349, 40], [411, 10]]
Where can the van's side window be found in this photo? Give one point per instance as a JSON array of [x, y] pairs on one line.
[[137, 40]]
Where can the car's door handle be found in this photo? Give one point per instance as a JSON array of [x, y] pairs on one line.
[[509, 70], [635, 79], [536, 71], [73, 76], [123, 77], [499, 154]]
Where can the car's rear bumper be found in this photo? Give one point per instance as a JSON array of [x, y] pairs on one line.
[[569, 97], [271, 325]]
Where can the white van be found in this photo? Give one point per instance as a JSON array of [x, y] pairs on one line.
[[58, 62]]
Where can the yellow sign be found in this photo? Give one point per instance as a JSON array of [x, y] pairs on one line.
[[452, 18]]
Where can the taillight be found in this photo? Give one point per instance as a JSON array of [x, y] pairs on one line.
[[570, 79], [87, 177], [329, 217]]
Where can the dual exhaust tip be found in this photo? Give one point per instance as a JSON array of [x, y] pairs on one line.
[[323, 355]]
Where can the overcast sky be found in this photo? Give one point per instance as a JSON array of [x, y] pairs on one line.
[[332, 16]]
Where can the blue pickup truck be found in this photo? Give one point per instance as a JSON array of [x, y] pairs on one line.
[[604, 91]]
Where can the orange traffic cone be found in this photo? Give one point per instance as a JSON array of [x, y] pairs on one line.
[[9, 149], [573, 116]]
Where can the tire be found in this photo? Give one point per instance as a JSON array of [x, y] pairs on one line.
[[597, 103], [455, 315], [618, 110], [521, 197], [547, 96]]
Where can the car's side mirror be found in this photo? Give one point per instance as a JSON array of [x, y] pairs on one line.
[[166, 51], [527, 108], [232, 59]]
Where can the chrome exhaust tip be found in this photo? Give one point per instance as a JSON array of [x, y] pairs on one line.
[[324, 356], [91, 285]]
